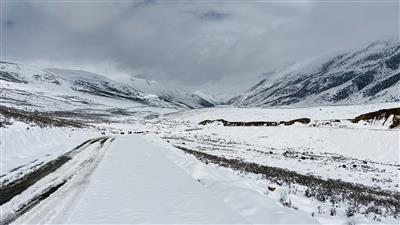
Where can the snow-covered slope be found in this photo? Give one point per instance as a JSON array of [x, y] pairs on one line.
[[205, 99], [65, 90], [154, 88], [369, 75]]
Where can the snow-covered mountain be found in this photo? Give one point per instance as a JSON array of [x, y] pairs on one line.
[[369, 75], [61, 89], [205, 99], [154, 88]]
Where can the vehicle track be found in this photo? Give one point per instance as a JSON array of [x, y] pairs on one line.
[[47, 179]]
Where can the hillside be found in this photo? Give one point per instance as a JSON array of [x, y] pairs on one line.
[[368, 75], [75, 90]]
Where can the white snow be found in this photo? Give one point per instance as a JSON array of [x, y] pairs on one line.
[[22, 143], [377, 145], [278, 113], [243, 195], [135, 183], [205, 97], [73, 174], [61, 89], [147, 180], [282, 86], [151, 96], [140, 180]]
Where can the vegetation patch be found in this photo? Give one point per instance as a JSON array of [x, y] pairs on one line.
[[382, 114], [38, 118]]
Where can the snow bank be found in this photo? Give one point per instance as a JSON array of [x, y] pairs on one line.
[[22, 143]]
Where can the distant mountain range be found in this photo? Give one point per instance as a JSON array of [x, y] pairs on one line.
[[369, 75], [154, 88], [61, 89]]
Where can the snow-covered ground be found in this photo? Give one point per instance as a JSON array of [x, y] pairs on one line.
[[135, 183], [143, 176], [22, 143], [247, 194], [278, 113], [141, 181]]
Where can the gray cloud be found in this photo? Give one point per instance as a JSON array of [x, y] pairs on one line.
[[213, 46], [210, 15]]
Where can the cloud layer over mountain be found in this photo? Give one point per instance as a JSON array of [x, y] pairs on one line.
[[212, 46]]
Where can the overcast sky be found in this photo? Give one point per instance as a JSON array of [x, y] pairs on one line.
[[212, 46]]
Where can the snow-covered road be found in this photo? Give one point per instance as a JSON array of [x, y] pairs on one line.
[[136, 181]]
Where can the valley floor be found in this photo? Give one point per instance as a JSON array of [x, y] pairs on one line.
[[170, 169]]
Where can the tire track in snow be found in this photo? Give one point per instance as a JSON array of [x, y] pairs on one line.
[[23, 194]]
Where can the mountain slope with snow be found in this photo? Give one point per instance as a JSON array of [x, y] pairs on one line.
[[369, 75], [65, 90], [156, 89]]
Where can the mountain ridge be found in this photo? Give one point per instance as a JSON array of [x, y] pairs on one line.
[[63, 88], [367, 75]]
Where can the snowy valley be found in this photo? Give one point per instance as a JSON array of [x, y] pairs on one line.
[[316, 144]]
